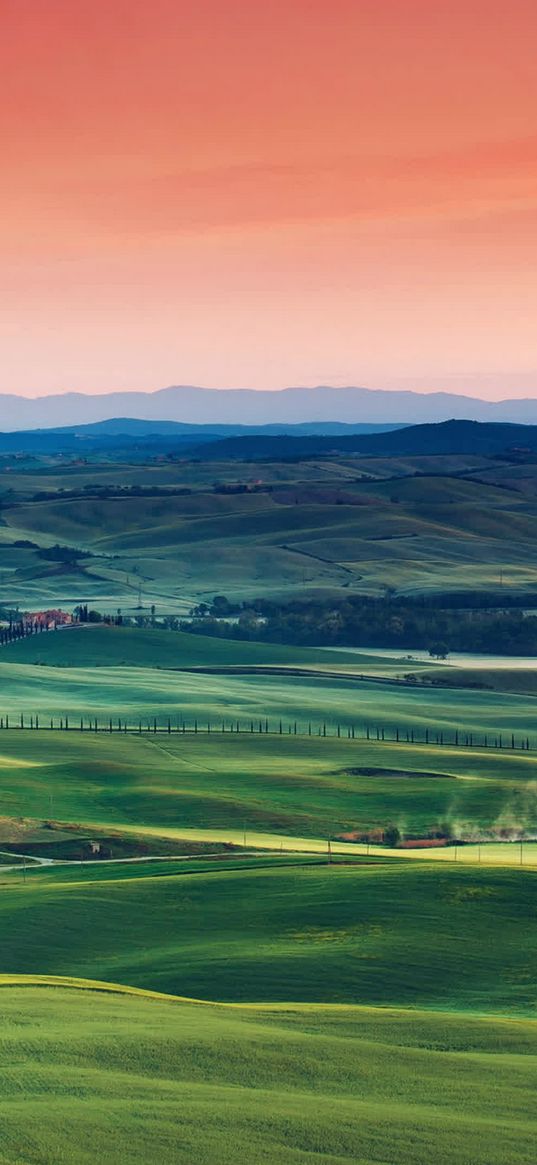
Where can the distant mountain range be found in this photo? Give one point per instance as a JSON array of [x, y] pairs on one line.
[[290, 406]]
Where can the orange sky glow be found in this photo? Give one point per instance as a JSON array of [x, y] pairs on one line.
[[243, 194]]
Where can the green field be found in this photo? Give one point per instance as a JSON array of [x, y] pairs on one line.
[[311, 788], [322, 525], [237, 693], [391, 934], [130, 1078], [377, 1007], [109, 646]]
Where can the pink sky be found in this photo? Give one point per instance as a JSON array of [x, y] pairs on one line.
[[236, 194]]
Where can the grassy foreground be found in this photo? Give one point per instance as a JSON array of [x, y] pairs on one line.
[[131, 1079]]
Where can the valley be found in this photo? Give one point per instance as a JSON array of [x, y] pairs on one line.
[[245, 875]]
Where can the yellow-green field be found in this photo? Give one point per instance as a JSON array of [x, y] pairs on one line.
[[274, 787], [122, 1077], [357, 1003]]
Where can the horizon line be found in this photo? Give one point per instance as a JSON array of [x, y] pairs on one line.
[[415, 391]]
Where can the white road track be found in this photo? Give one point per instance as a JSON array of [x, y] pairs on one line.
[[513, 854]]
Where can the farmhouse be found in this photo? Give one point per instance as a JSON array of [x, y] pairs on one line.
[[47, 620]]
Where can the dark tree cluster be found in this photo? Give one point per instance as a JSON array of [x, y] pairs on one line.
[[363, 621]]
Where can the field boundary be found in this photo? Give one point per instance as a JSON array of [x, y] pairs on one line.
[[275, 728]]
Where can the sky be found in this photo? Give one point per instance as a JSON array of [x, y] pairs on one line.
[[239, 193]]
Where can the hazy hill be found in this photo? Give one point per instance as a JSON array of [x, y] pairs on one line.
[[274, 442], [450, 437], [128, 432], [194, 405]]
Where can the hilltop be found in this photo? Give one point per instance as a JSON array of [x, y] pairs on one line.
[[455, 437]]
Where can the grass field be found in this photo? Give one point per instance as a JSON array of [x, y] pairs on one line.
[[225, 693], [322, 525], [312, 788], [383, 1007], [109, 646], [390, 934], [137, 1079], [377, 1009]]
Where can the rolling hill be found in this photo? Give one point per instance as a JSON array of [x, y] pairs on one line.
[[287, 932], [178, 533], [134, 1077], [446, 438], [93, 646]]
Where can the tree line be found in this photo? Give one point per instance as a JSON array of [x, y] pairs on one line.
[[264, 726], [364, 621]]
